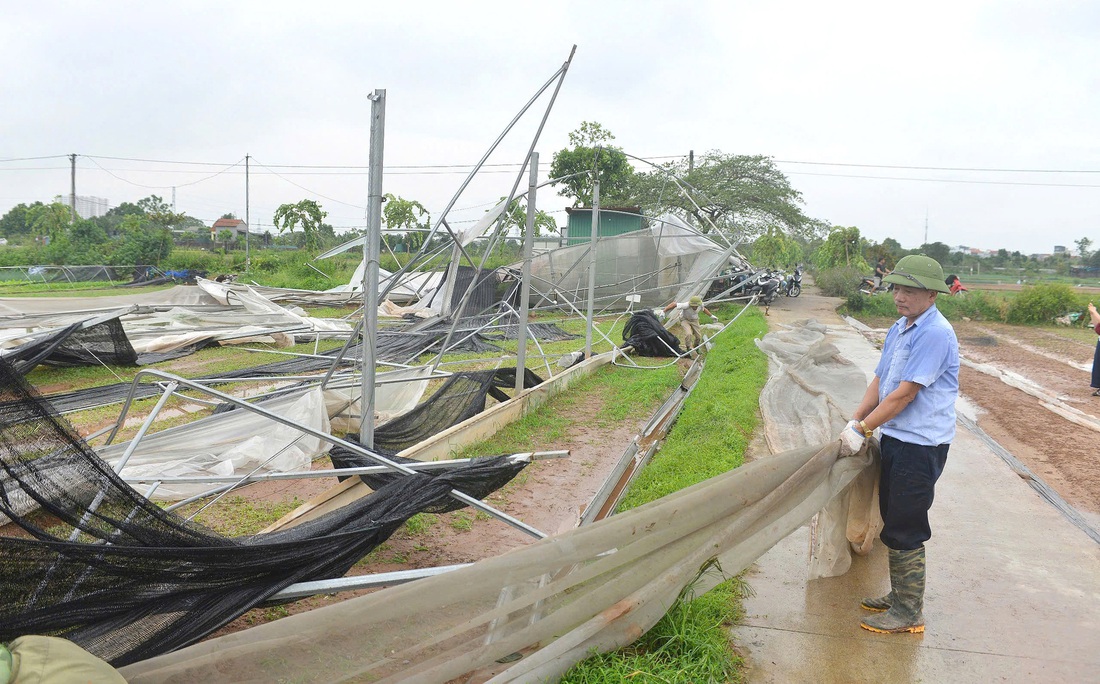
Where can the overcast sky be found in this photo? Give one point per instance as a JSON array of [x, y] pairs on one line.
[[841, 94]]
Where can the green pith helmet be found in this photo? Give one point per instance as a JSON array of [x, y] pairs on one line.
[[917, 270], [695, 301]]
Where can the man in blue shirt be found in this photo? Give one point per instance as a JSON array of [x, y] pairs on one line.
[[912, 399]]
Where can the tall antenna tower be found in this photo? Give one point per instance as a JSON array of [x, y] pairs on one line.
[[925, 227]]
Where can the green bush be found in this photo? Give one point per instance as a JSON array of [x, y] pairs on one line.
[[977, 306], [1042, 303], [855, 302], [197, 259], [838, 282]]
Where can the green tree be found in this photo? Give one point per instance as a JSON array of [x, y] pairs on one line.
[[516, 217], [1084, 248], [14, 223], [843, 248], [937, 250], [160, 212], [307, 214], [589, 157], [741, 195], [141, 243], [225, 237], [49, 220], [776, 249], [406, 215]]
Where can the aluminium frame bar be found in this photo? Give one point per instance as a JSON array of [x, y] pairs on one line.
[[378, 458]]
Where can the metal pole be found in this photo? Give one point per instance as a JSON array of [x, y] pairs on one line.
[[73, 190], [592, 267], [247, 224], [371, 253], [525, 282]]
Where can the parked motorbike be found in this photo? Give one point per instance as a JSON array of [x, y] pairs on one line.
[[764, 284], [792, 284], [867, 286]]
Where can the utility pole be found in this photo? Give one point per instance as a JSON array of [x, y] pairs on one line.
[[372, 248], [247, 223], [72, 190], [691, 160], [173, 199], [592, 267], [525, 280], [925, 226]]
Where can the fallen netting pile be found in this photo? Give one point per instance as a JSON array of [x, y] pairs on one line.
[[594, 588], [111, 571], [649, 337]]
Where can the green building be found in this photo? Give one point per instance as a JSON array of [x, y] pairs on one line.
[[613, 221]]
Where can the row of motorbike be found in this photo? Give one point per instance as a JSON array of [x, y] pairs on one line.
[[766, 285]]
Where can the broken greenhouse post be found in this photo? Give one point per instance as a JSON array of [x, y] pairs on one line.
[[592, 266], [525, 282], [371, 251]]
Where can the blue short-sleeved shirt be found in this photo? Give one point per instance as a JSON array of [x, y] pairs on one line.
[[926, 353]]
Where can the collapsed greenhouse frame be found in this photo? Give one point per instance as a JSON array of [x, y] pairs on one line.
[[553, 291]]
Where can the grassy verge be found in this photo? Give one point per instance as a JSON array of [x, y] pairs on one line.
[[691, 642]]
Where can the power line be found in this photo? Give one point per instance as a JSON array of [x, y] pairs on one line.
[[938, 168], [18, 159], [161, 187], [945, 180], [314, 192]]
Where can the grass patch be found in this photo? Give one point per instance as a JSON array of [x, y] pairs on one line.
[[690, 643], [240, 517]]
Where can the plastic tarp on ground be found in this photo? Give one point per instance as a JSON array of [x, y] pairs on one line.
[[237, 442], [810, 395], [594, 588]]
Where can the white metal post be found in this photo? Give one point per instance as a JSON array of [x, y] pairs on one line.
[[371, 251], [592, 267], [525, 282]]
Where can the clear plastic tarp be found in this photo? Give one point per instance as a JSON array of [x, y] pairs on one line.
[[628, 264]]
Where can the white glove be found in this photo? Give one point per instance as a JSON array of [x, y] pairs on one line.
[[851, 438], [661, 314], [714, 318]]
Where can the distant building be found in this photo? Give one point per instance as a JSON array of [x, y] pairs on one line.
[[235, 226], [613, 221], [86, 207], [1059, 249]]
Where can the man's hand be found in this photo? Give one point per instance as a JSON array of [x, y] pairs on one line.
[[660, 314], [714, 318], [851, 439]]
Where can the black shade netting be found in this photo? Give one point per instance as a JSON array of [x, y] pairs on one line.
[[462, 396], [102, 566], [76, 345], [648, 336]]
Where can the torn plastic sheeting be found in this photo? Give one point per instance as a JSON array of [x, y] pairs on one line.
[[674, 237], [593, 588], [236, 442]]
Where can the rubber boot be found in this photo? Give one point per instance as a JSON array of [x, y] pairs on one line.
[[907, 587], [880, 604]]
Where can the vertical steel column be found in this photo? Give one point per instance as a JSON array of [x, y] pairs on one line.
[[592, 267], [371, 251], [525, 282], [247, 223]]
